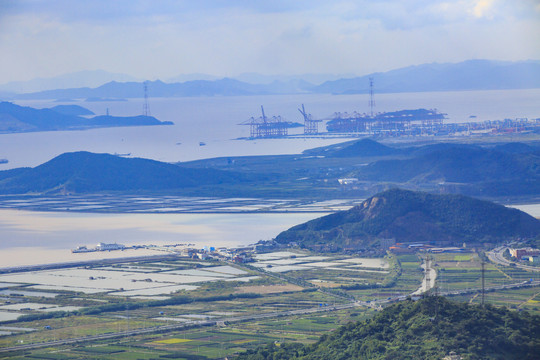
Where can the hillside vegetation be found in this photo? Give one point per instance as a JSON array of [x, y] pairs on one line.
[[409, 216], [84, 172], [426, 329], [511, 169], [476, 166]]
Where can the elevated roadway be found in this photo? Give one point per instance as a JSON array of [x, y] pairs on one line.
[[496, 256]]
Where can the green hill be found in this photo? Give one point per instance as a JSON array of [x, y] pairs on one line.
[[84, 172], [409, 216], [427, 329], [462, 164], [364, 147]]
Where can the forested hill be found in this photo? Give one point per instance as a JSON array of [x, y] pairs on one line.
[[85, 172], [427, 329], [409, 216]]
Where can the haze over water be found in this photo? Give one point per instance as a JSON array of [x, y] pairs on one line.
[[214, 121], [29, 237], [32, 237]]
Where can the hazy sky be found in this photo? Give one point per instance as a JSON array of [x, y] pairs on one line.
[[160, 39]]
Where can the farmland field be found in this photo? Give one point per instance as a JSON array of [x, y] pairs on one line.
[[142, 295]]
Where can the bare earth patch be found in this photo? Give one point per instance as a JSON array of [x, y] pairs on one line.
[[268, 289]]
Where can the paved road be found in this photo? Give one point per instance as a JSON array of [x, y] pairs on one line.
[[428, 269], [185, 325], [496, 256], [191, 324]]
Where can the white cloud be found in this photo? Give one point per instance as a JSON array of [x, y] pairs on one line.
[[159, 39], [483, 8]]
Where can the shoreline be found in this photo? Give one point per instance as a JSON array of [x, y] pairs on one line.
[[61, 265]]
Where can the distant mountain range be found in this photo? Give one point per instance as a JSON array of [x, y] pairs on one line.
[[87, 78], [468, 75], [15, 118], [256, 78], [315, 79], [84, 172], [407, 217], [222, 87]]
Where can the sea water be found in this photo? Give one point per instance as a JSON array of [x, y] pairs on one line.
[[32, 237], [215, 121]]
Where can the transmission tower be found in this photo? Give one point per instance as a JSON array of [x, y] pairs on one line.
[[371, 96], [428, 275], [483, 281], [146, 108]]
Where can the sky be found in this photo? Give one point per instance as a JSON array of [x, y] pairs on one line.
[[159, 39]]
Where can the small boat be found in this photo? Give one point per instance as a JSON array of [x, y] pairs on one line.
[[202, 143], [4, 161]]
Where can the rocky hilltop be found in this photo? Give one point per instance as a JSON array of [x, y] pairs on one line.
[[409, 216]]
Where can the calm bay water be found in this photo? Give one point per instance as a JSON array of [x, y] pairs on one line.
[[28, 237], [214, 121], [33, 237]]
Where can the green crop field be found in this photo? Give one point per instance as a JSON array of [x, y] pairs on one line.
[[325, 286]]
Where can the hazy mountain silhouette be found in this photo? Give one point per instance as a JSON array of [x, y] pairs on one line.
[[468, 75], [86, 78]]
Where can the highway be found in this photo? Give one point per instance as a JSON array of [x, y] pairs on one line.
[[429, 274], [496, 256], [376, 304], [185, 325]]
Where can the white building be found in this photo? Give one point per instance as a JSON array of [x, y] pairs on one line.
[[108, 247]]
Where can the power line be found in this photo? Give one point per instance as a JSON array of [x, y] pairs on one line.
[[146, 107], [371, 96]]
